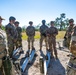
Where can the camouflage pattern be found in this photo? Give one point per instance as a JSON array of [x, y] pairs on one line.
[[19, 39], [3, 51], [68, 34], [11, 37], [71, 68], [73, 42], [30, 31], [52, 32], [43, 30], [43, 36]]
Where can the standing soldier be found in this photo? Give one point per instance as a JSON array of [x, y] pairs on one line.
[[43, 35], [52, 32], [30, 31], [71, 68], [19, 31], [11, 34], [69, 32], [2, 46]]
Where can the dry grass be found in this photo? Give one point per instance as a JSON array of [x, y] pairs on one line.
[[60, 35], [37, 36]]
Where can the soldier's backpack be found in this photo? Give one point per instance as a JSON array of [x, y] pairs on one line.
[[2, 43]]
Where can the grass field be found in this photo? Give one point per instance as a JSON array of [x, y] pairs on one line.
[[37, 36]]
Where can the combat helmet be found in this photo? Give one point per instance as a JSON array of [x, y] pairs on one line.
[[16, 22], [52, 22], [12, 18], [43, 21], [71, 20], [30, 22]]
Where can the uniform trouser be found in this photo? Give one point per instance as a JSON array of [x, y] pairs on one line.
[[1, 65], [41, 41], [52, 45], [1, 68], [72, 62], [65, 43], [18, 43], [30, 42], [10, 48], [68, 42], [73, 47]]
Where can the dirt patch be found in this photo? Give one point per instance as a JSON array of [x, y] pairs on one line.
[[57, 67]]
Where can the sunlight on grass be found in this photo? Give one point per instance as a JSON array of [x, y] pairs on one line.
[[37, 36], [60, 35]]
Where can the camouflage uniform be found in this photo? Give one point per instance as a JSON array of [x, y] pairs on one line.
[[69, 32], [52, 32], [11, 37], [43, 35], [19, 39], [71, 68], [30, 31], [3, 51], [19, 31], [68, 35]]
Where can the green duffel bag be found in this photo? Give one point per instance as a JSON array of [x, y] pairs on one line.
[[7, 65]]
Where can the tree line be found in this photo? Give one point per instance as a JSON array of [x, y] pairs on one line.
[[61, 23]]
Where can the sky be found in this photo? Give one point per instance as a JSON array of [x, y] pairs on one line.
[[36, 10]]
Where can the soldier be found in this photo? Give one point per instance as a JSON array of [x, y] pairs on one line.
[[30, 31], [52, 32], [11, 34], [19, 31], [43, 35], [71, 68], [69, 32], [3, 51]]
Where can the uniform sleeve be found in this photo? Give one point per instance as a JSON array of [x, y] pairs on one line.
[[20, 29], [7, 29], [40, 29], [34, 31], [47, 31], [56, 31], [69, 32], [66, 31]]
